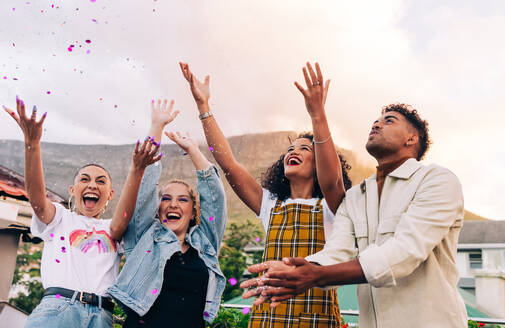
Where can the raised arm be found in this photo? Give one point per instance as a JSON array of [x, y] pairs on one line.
[[143, 156], [243, 183], [34, 176], [329, 169], [210, 189]]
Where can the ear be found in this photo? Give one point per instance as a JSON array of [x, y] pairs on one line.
[[71, 190], [412, 140], [111, 194]]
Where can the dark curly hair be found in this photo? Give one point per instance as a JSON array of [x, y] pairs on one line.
[[276, 182], [417, 122]]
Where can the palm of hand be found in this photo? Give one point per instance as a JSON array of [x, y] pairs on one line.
[[200, 90]]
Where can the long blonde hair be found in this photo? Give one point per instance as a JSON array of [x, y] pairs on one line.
[[194, 197]]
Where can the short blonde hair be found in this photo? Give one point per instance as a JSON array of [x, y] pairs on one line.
[[192, 194]]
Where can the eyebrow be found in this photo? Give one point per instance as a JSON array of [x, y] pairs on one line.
[[102, 176], [391, 116], [182, 195]]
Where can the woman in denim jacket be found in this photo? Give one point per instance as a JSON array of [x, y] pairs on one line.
[[171, 276]]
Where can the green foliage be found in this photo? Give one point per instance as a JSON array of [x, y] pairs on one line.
[[229, 318], [27, 268], [232, 258]]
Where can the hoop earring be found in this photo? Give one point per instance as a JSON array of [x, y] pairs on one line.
[[70, 207], [106, 203]]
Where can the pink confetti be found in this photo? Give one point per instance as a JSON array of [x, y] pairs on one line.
[[62, 238], [88, 41], [258, 239], [92, 0], [246, 310], [88, 52], [211, 149], [165, 220], [154, 291], [5, 77], [69, 48], [211, 218], [63, 249], [57, 261], [93, 20], [232, 281], [13, 9], [58, 296], [206, 314], [124, 214], [48, 92], [52, 235], [148, 251], [52, 6]]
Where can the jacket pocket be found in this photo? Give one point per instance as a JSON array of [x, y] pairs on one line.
[[361, 234], [387, 228]]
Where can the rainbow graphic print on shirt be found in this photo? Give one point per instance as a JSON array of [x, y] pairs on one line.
[[85, 240]]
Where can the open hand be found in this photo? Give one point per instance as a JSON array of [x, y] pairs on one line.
[[185, 142], [32, 129], [161, 115], [144, 155], [200, 90], [315, 94]]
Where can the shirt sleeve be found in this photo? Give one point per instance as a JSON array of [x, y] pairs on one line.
[[341, 244], [437, 205], [267, 203], [328, 219], [42, 230], [145, 208], [212, 205]]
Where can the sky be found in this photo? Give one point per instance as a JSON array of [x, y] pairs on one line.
[[445, 58]]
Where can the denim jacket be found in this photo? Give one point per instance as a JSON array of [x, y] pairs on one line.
[[148, 244]]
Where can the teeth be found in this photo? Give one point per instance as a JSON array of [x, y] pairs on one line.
[[90, 196], [174, 214], [293, 161]]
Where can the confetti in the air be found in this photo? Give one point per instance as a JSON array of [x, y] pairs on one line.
[[258, 239], [211, 218], [154, 291], [57, 261], [211, 148], [52, 235], [148, 251], [246, 310], [58, 296], [206, 314], [62, 238], [63, 249], [232, 281], [48, 92]]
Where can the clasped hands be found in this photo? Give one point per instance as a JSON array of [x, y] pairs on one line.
[[280, 280]]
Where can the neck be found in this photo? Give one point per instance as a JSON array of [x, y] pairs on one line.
[[389, 159], [302, 188]]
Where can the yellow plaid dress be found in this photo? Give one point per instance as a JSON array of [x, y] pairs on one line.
[[297, 230]]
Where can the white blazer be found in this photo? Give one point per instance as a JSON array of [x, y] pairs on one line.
[[406, 245]]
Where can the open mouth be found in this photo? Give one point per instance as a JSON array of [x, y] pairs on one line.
[[293, 161], [90, 200], [173, 216]]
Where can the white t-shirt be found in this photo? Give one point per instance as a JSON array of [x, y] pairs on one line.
[[267, 203], [79, 253]]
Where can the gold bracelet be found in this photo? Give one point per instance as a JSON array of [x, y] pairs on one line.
[[322, 142]]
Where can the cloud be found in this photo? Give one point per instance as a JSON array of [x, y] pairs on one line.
[[446, 59]]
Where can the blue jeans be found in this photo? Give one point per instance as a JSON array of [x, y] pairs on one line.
[[55, 312]]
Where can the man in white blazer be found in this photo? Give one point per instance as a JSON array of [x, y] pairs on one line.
[[395, 235]]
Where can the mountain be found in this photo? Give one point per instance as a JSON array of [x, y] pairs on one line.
[[255, 151]]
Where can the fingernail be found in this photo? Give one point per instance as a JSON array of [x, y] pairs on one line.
[[44, 114], [152, 101], [4, 107], [22, 103], [17, 98], [34, 108], [161, 154], [138, 141]]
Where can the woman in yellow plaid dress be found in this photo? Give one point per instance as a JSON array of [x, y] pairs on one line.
[[295, 201]]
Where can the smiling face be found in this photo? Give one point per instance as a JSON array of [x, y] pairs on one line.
[[177, 208], [392, 134], [299, 160], [91, 190]]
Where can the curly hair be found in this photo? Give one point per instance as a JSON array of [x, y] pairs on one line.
[[417, 122], [93, 164], [276, 182]]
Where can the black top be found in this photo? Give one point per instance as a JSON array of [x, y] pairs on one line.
[[182, 298]]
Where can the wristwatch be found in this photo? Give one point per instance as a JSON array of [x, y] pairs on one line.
[[205, 115]]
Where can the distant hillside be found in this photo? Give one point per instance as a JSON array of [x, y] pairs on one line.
[[255, 151], [474, 217]]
